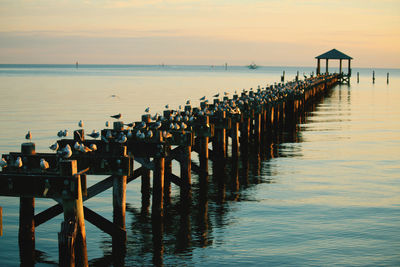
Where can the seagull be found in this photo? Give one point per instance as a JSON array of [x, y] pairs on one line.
[[28, 136], [107, 124], [3, 163], [131, 125], [147, 110], [60, 133], [142, 125], [93, 147], [66, 152], [44, 164], [18, 162], [54, 146], [204, 97], [118, 116], [77, 146], [167, 106], [157, 125], [122, 139], [84, 149], [80, 124], [149, 134], [109, 134], [217, 95], [65, 133], [188, 102], [226, 93], [94, 134]]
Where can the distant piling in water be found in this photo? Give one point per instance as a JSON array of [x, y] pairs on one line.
[[373, 76]]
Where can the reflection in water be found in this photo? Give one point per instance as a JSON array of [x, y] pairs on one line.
[[186, 225]]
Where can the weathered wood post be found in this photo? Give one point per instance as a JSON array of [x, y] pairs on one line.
[[257, 126], [185, 171], [145, 190], [235, 136], [373, 76], [387, 78], [73, 215], [219, 138], [158, 186], [358, 77], [167, 182], [203, 142], [26, 233]]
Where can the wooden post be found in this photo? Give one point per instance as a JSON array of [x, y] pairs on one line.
[[387, 78], [349, 70], [167, 182], [327, 71], [145, 190], [203, 155], [185, 166], [257, 128], [26, 233], [373, 76], [73, 212], [340, 66], [119, 207], [358, 77], [235, 139], [318, 66], [158, 187], [203, 142]]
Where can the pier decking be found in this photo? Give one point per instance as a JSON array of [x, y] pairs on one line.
[[242, 121]]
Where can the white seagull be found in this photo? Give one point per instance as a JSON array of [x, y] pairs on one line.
[[44, 164]]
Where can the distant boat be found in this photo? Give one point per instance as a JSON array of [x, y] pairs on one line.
[[252, 66]]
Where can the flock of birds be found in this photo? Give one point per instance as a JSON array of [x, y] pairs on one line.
[[178, 120]]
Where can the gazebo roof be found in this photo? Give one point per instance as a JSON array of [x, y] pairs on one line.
[[333, 54]]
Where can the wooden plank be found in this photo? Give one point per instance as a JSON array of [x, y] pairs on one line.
[[102, 223], [177, 180]]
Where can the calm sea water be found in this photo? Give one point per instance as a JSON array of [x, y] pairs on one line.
[[327, 194]]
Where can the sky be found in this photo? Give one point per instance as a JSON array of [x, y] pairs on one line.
[[205, 32]]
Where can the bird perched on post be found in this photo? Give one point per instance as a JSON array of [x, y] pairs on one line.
[[66, 152], [54, 146], [147, 110], [118, 116], [44, 165], [204, 97], [80, 124], [18, 162], [28, 136], [3, 163], [94, 134], [216, 95]]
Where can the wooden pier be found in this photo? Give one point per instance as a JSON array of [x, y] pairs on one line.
[[230, 128]]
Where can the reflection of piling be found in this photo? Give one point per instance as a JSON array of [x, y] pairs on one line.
[[358, 77], [387, 78]]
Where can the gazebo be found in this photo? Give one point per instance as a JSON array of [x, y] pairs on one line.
[[335, 54]]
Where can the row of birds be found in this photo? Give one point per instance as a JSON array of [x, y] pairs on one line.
[[178, 119], [18, 163]]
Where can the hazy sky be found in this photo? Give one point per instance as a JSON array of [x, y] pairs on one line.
[[268, 32]]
